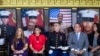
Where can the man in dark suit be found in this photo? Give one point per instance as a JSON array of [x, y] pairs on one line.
[[78, 42], [57, 42], [7, 31], [48, 33]]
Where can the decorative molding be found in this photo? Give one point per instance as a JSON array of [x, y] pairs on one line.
[[18, 8], [46, 8], [49, 3]]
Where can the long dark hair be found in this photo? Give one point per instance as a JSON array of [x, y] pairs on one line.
[[98, 27], [16, 37]]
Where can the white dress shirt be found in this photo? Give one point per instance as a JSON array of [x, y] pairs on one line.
[[27, 33], [78, 35]]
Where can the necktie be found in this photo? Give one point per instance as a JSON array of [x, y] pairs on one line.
[[77, 37]]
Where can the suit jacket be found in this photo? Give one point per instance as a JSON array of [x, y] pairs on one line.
[[75, 44], [91, 38], [56, 39], [7, 32]]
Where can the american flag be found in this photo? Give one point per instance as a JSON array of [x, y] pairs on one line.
[[24, 17], [66, 15]]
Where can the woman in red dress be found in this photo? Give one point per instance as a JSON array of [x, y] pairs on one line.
[[37, 42]]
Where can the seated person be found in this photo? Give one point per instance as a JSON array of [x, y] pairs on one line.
[[37, 42], [94, 42], [19, 45]]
